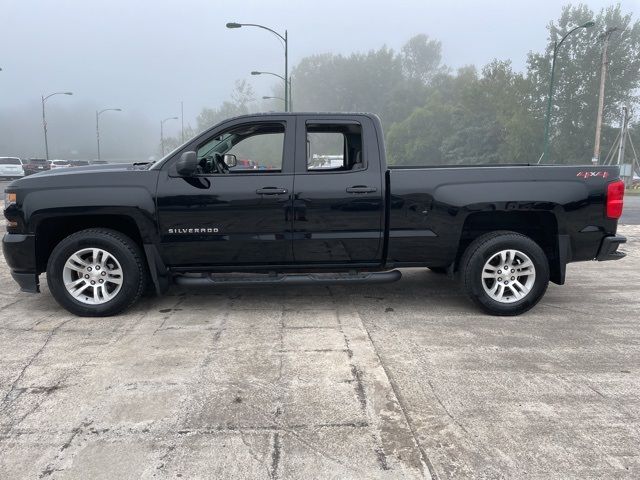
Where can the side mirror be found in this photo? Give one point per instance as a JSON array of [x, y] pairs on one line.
[[230, 159], [186, 166]]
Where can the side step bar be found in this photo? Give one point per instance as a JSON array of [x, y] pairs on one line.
[[237, 280]]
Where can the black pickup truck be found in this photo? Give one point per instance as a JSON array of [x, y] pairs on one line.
[[304, 198]]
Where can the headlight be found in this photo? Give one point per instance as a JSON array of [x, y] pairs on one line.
[[9, 198]]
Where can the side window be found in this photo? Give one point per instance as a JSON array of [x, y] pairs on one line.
[[334, 147], [259, 152], [257, 148], [325, 150]]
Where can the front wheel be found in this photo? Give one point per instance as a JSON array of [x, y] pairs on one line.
[[505, 273], [96, 272]]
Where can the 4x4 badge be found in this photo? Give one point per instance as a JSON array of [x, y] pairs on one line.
[[586, 175]]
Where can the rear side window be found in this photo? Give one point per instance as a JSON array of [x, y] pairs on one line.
[[334, 148], [10, 161]]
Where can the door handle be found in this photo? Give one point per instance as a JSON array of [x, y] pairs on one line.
[[271, 191], [361, 189]]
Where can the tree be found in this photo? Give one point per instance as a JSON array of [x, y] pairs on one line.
[[469, 118], [242, 98], [380, 81], [421, 58]]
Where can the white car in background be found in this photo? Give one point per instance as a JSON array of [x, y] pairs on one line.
[[59, 164], [11, 167]]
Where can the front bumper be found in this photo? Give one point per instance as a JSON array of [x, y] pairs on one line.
[[28, 282], [20, 253], [609, 248]]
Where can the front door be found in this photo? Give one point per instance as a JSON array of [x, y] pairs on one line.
[[338, 204], [231, 215]]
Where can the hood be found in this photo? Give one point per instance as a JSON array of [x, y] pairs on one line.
[[75, 174]]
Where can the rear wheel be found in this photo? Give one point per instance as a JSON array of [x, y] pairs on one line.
[[96, 272], [505, 273]]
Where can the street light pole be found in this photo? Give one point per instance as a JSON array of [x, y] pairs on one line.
[[286, 83], [162, 132], [556, 46], [98, 113], [285, 39], [44, 119]]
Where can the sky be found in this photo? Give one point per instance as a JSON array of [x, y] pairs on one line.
[[147, 56]]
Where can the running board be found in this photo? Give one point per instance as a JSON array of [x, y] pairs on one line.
[[237, 280]]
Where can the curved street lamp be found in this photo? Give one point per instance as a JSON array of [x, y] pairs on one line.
[[98, 113], [44, 119], [162, 131], [556, 46], [284, 38], [281, 78], [274, 98]]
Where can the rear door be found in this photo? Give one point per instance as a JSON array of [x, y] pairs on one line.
[[338, 207], [239, 217]]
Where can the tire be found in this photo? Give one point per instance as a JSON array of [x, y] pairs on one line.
[[122, 278], [481, 260], [438, 270]]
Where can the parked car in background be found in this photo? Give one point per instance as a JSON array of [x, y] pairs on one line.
[[99, 162], [59, 164], [35, 165], [11, 167], [79, 163]]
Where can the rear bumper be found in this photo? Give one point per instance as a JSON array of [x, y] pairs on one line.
[[609, 248], [20, 254]]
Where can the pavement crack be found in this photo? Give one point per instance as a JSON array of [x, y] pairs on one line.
[[359, 387], [446, 410], [275, 455], [169, 312], [9, 396]]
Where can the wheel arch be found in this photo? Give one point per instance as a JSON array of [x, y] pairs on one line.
[[51, 230], [540, 226]]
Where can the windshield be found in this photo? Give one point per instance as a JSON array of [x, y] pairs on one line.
[[10, 161]]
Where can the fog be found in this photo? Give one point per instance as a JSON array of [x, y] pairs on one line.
[[145, 57]]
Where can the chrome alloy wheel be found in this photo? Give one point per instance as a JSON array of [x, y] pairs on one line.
[[92, 276], [508, 276]]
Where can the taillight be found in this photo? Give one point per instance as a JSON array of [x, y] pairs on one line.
[[615, 195]]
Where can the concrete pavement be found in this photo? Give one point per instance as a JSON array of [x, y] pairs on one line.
[[406, 380]]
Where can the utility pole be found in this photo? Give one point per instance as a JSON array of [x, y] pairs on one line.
[[627, 176], [603, 77]]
